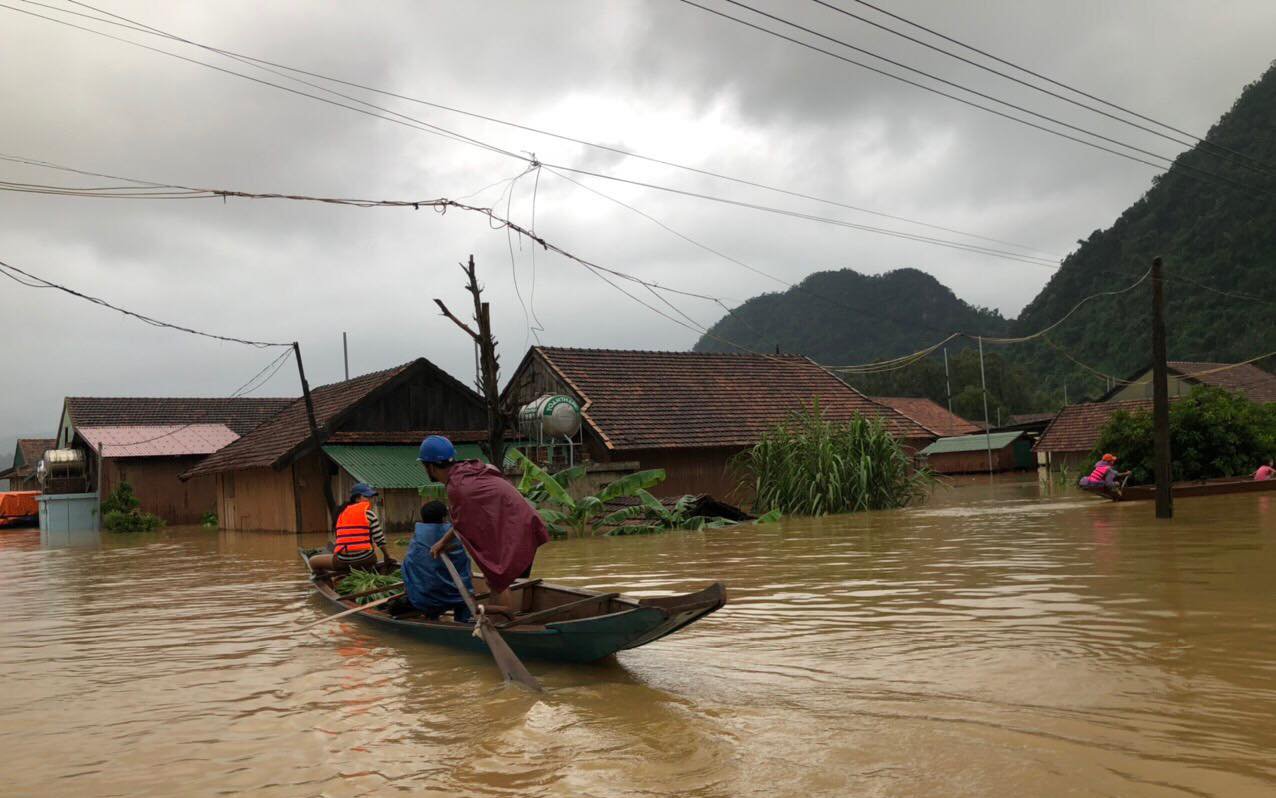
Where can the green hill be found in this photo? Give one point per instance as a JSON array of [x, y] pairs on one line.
[[1211, 234], [840, 317]]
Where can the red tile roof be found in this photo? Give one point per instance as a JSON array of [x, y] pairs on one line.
[[241, 414], [33, 449], [930, 415], [658, 400], [1077, 427], [412, 437], [276, 440], [1249, 380]]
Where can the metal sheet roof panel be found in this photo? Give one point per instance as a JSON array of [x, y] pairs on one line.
[[971, 443]]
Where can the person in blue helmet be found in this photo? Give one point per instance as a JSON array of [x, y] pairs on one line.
[[357, 530], [498, 527], [427, 584]]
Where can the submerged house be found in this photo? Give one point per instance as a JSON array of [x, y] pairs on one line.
[[26, 456], [149, 441], [273, 478], [691, 412], [1069, 440], [980, 453]]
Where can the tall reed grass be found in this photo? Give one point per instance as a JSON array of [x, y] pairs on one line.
[[810, 465]]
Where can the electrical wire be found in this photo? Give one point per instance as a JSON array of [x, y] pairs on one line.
[[1087, 95], [35, 281], [413, 123], [1022, 82], [1206, 175], [148, 29]]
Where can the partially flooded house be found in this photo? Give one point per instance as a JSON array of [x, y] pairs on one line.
[[273, 478], [691, 412], [21, 473]]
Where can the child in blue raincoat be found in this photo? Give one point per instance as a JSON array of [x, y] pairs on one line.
[[426, 581]]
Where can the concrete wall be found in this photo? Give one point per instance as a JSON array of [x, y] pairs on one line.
[[154, 482]]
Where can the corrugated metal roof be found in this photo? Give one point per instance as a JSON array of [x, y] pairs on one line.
[[158, 440], [391, 467], [971, 443]]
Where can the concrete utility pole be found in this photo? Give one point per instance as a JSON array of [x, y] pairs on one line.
[[345, 354], [1160, 398], [984, 383], [948, 386]]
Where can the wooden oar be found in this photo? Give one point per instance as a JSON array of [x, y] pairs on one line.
[[360, 608], [511, 667]]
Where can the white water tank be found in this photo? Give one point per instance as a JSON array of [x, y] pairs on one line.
[[552, 415]]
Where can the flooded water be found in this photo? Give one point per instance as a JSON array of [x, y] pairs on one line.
[[993, 643]]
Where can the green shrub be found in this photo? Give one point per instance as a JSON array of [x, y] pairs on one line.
[[1213, 433], [120, 512], [813, 466], [209, 519]]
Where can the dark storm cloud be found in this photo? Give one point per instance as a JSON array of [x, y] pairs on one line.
[[661, 78]]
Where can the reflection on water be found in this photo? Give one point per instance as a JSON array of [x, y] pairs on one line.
[[994, 643]]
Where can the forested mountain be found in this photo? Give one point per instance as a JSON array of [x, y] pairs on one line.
[[1211, 216], [1216, 234], [842, 317]]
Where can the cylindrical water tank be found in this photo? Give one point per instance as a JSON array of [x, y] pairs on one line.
[[553, 415], [61, 463]]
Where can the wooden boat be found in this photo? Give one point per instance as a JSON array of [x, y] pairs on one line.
[[551, 621], [1183, 490]]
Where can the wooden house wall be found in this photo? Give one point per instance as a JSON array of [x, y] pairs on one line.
[[975, 462], [687, 470], [155, 483], [259, 500], [424, 402]]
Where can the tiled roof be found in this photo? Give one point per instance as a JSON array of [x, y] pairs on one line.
[[1031, 418], [162, 440], [32, 449], [1077, 427], [1248, 380], [930, 415], [657, 400], [274, 441], [241, 414]]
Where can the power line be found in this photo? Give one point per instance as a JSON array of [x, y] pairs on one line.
[[35, 281], [1185, 167], [411, 122], [1192, 139], [1087, 95], [144, 28]]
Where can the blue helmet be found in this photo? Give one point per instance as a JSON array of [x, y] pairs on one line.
[[362, 489], [436, 449]]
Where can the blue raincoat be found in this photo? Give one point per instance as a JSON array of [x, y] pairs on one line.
[[426, 580]]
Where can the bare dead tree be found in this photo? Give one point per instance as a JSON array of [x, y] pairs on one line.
[[500, 414]]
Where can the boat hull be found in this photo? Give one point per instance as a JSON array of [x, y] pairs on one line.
[[632, 623], [1185, 490]]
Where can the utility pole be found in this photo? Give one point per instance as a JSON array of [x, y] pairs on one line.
[[1160, 397], [499, 414], [983, 381], [948, 386], [345, 354], [316, 441]]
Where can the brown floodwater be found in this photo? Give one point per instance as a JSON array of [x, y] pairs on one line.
[[996, 642]]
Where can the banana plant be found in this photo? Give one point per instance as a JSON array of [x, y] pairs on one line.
[[566, 516]]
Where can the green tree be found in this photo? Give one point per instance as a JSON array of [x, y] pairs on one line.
[[566, 515], [1213, 433], [121, 513]]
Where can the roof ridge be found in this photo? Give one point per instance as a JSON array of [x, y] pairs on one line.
[[684, 352]]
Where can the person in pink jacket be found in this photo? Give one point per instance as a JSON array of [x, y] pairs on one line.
[[1265, 471]]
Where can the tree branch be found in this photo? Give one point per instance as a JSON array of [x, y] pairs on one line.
[[455, 320]]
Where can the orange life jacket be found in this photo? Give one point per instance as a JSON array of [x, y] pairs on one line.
[[1100, 469], [354, 533]]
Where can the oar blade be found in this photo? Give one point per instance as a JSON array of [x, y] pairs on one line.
[[511, 666]]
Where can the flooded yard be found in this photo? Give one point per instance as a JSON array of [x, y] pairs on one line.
[[996, 642]]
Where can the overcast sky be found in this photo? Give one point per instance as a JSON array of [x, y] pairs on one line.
[[661, 78]]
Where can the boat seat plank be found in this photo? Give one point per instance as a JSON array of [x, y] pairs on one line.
[[519, 586], [540, 616]]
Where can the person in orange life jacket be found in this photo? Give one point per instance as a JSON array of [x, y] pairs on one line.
[[357, 529], [498, 526], [1104, 475]]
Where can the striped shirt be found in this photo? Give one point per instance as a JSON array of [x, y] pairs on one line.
[[377, 535]]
